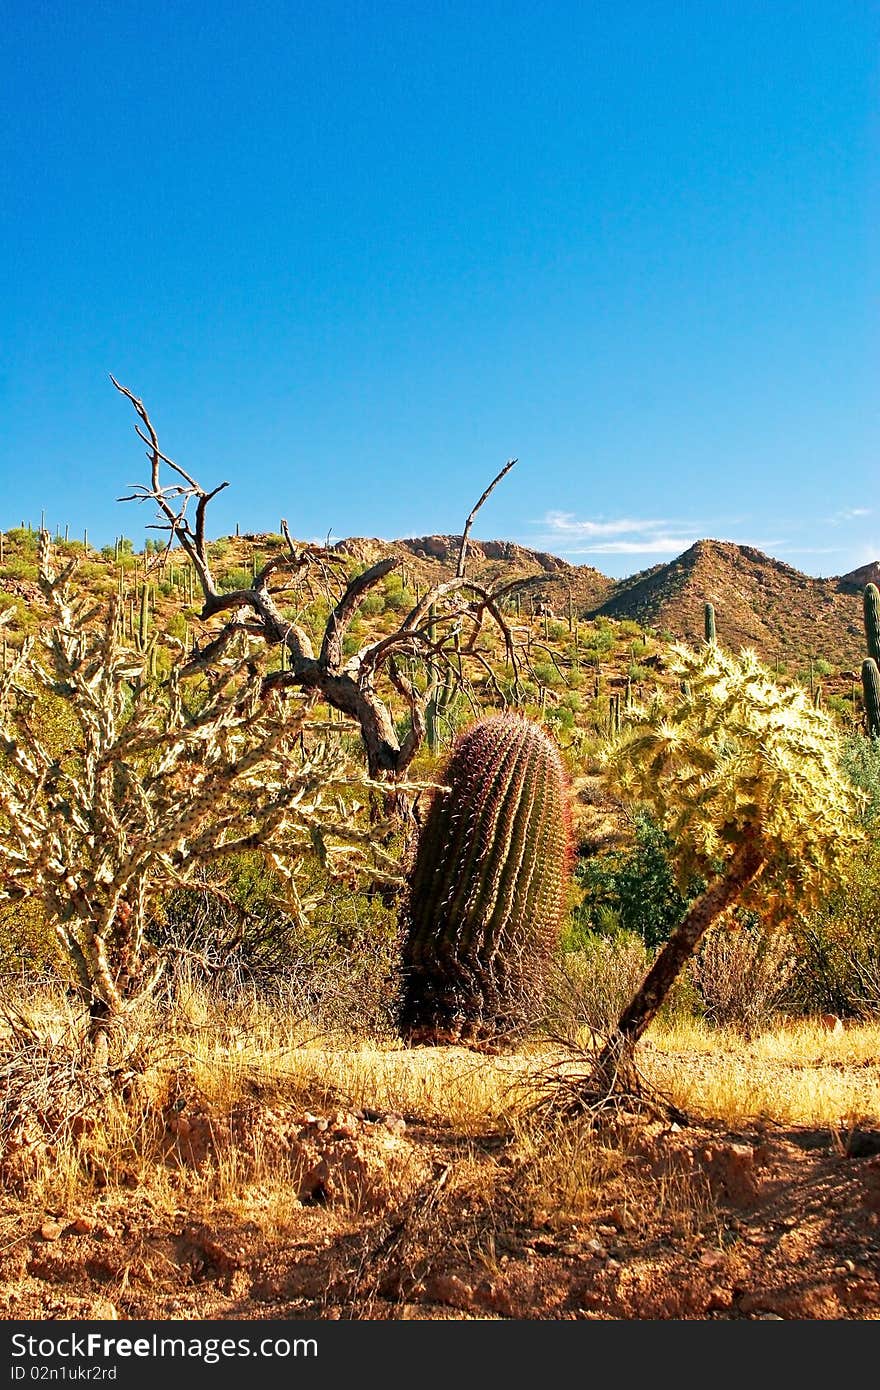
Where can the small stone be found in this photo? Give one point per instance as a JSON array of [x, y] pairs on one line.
[[102, 1310], [51, 1230], [596, 1247], [84, 1225], [622, 1219], [393, 1122], [449, 1289], [712, 1259]]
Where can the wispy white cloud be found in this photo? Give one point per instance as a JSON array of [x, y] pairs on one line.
[[651, 545], [566, 534], [848, 514], [566, 524]]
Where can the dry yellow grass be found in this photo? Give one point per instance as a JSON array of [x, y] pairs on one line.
[[799, 1074]]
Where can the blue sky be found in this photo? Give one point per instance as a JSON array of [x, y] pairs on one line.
[[355, 256]]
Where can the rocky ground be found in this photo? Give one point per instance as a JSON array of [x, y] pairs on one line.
[[388, 1218]]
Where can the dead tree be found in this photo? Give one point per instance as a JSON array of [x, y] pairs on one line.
[[434, 630]]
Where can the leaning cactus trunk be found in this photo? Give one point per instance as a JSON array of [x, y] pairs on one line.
[[487, 887]]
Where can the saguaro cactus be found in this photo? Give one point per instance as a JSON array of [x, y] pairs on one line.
[[871, 601], [871, 693], [487, 887], [709, 622]]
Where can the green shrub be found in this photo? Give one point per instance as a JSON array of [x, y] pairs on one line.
[[17, 567], [838, 947], [861, 762], [546, 674], [239, 578], [371, 605], [632, 890]]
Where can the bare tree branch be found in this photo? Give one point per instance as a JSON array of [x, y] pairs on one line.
[[459, 569], [347, 684]]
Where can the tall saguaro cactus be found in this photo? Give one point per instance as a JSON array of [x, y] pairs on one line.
[[871, 694], [487, 887], [709, 622], [871, 602]]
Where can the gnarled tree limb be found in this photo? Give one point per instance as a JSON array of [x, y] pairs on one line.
[[347, 684]]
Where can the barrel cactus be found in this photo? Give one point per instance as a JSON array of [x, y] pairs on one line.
[[488, 886]]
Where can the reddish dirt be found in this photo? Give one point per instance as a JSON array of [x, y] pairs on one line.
[[394, 1220]]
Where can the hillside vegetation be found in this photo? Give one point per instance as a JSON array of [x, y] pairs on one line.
[[202, 1059]]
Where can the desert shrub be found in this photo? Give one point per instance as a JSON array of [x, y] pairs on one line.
[[838, 947], [861, 762], [561, 718], [28, 944], [742, 974], [398, 598], [599, 643], [371, 605], [17, 567], [239, 578], [546, 673], [23, 536], [175, 626], [589, 987], [633, 890], [838, 944], [638, 674], [336, 970], [840, 704]]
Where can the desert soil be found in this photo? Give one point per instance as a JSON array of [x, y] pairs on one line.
[[387, 1217]]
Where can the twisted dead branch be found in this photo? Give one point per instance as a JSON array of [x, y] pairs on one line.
[[349, 684]]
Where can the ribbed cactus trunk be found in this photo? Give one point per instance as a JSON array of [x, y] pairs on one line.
[[871, 602], [487, 888], [871, 694], [709, 622]]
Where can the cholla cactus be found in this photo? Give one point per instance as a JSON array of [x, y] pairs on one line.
[[488, 886], [745, 777], [112, 789]]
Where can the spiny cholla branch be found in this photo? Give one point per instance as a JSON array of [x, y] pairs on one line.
[[348, 684], [113, 789]]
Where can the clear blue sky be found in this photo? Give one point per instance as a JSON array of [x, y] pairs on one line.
[[354, 256]]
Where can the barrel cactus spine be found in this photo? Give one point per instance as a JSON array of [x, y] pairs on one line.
[[488, 886]]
